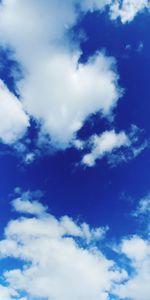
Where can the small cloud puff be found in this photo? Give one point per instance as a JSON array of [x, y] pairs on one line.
[[127, 9], [116, 147]]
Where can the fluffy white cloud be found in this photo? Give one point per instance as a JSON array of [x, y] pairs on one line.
[[28, 207], [116, 147], [138, 252], [7, 293], [103, 145], [69, 92], [25, 204], [58, 91], [127, 9], [56, 264], [14, 120], [60, 259], [137, 249]]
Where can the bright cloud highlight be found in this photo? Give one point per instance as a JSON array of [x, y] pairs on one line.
[[14, 120], [127, 10]]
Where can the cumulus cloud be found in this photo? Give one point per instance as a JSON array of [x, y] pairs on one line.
[[104, 144], [137, 250], [56, 261], [14, 120], [28, 207], [62, 259], [116, 147], [58, 91], [73, 93], [7, 293], [126, 10]]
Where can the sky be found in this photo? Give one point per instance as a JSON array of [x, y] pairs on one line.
[[74, 150]]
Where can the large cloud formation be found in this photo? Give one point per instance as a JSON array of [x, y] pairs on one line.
[[58, 91], [62, 259], [59, 258]]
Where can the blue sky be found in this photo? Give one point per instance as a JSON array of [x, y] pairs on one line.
[[74, 150]]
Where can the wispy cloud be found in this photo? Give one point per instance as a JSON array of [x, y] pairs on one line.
[[117, 147]]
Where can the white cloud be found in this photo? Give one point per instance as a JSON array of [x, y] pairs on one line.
[[103, 145], [137, 287], [135, 248], [14, 120], [25, 204], [28, 207], [58, 91], [127, 10], [56, 265], [142, 213], [143, 207], [73, 93], [116, 147], [60, 259], [7, 293]]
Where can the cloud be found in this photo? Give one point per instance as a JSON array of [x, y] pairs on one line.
[[116, 147], [58, 91], [142, 213], [58, 261], [62, 259], [137, 250], [127, 10], [14, 120], [28, 207], [104, 144], [25, 203], [74, 93], [7, 293], [143, 207]]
